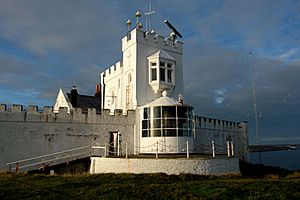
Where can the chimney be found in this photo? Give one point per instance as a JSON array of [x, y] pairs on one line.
[[98, 90], [74, 95], [98, 94]]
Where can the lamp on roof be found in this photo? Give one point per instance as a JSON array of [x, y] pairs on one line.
[[138, 15]]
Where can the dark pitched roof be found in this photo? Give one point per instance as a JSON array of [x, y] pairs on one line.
[[84, 102]]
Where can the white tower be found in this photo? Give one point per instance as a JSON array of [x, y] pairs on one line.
[[151, 64]]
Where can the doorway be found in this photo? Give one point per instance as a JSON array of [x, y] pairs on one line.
[[115, 144]]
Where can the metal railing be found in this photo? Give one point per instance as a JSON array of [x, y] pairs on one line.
[[114, 150], [40, 162]]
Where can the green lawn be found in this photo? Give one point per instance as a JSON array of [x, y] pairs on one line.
[[148, 186]]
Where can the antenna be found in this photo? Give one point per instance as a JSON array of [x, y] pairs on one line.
[[257, 132], [174, 32], [149, 13]]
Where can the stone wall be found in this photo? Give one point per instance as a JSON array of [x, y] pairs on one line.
[[31, 133], [220, 131], [216, 166]]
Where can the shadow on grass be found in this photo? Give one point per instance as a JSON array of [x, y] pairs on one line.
[[261, 171]]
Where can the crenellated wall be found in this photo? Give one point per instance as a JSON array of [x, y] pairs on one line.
[[151, 39], [27, 133], [30, 133], [220, 131], [113, 71]]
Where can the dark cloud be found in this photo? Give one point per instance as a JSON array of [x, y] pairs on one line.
[[47, 45]]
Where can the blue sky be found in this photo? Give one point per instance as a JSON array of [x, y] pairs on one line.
[[47, 45]]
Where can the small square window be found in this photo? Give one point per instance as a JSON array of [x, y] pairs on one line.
[[153, 64], [169, 65], [162, 64]]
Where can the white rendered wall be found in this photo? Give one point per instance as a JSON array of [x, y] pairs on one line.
[[146, 47], [138, 92], [114, 81], [217, 166], [61, 102]]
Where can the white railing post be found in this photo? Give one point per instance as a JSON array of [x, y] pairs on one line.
[[43, 164], [213, 148], [156, 149], [232, 151], [228, 149], [187, 150], [105, 150], [68, 157], [126, 150], [118, 143]]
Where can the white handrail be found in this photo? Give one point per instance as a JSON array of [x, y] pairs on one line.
[[47, 161], [47, 155]]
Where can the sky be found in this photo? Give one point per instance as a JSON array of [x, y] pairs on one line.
[[231, 48]]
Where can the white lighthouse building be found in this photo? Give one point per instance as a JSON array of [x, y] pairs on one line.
[[149, 80], [136, 116], [151, 64]]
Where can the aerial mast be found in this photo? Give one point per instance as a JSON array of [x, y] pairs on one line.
[[257, 132]]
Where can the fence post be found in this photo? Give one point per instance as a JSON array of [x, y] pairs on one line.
[[91, 151], [43, 165], [213, 148], [232, 151], [118, 149], [187, 149], [126, 150], [156, 149], [105, 150], [17, 167], [68, 157], [228, 149]]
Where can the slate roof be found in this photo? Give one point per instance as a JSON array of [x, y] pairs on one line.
[[84, 102], [161, 54]]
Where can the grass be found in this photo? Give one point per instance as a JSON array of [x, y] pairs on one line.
[[254, 182], [148, 186]]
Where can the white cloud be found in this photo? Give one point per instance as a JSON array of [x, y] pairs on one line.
[[286, 55], [46, 45]]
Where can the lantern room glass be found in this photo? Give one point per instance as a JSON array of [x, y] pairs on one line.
[[167, 121]]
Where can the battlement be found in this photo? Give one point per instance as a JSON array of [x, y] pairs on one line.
[[21, 108], [33, 114], [212, 123], [114, 70], [151, 39]]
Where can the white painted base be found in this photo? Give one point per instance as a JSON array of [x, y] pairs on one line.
[[216, 166]]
